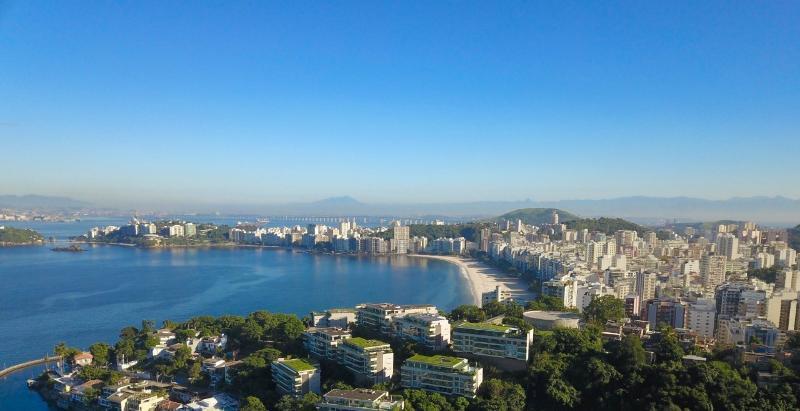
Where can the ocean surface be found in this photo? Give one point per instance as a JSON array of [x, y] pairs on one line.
[[47, 297]]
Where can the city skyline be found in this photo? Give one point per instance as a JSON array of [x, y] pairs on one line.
[[439, 103]]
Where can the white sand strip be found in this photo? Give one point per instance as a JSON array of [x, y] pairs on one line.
[[483, 278]]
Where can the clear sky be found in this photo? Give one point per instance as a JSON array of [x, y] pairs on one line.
[[398, 101]]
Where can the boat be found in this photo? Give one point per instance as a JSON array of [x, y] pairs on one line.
[[74, 248]]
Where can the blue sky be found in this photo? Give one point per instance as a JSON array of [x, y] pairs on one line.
[[398, 101]]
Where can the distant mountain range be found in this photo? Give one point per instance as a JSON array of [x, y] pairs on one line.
[[644, 210]]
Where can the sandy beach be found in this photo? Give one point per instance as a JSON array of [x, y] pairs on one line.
[[483, 278]]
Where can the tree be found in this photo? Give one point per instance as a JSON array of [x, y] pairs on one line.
[[499, 395], [627, 355], [182, 355], [195, 371], [469, 313], [304, 403], [793, 340], [125, 348], [668, 348], [64, 351], [604, 308], [90, 395], [494, 308], [253, 404], [546, 303], [148, 327], [101, 353]]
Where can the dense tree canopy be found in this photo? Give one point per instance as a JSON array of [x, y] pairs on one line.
[[603, 309]]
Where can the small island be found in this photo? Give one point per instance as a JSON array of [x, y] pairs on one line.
[[10, 236], [74, 248]]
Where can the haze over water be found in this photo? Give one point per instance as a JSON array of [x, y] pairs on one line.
[[81, 298]]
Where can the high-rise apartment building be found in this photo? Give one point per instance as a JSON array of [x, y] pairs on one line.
[[712, 270], [401, 238]]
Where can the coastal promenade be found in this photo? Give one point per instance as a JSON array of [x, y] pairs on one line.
[[24, 365]]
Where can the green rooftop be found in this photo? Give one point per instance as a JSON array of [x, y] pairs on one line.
[[484, 327], [364, 343], [298, 365], [438, 360]]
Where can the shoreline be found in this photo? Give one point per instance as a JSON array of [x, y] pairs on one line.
[[482, 278]]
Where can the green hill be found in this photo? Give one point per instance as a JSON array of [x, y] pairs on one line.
[[536, 216], [606, 225], [10, 235]]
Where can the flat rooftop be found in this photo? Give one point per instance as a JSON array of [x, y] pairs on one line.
[[297, 365], [357, 394], [364, 343], [438, 360], [551, 315], [484, 327]]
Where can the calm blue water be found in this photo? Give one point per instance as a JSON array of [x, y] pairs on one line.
[[48, 297]]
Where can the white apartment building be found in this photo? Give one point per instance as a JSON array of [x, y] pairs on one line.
[[700, 317], [441, 374], [432, 331], [491, 340], [497, 295], [295, 377], [323, 343], [728, 245], [712, 270], [380, 317], [370, 361]]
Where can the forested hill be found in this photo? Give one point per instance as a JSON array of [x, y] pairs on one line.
[[539, 216], [606, 225], [536, 216], [12, 236]]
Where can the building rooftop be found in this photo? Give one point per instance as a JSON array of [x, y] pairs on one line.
[[438, 360], [485, 327], [329, 331], [357, 394], [364, 343], [551, 315], [297, 364]]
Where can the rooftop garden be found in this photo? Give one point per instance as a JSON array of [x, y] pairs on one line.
[[298, 365], [484, 327], [365, 343], [437, 360]]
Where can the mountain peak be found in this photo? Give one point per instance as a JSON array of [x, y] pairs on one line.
[[341, 200]]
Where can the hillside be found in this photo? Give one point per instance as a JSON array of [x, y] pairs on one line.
[[12, 236], [606, 225], [536, 216]]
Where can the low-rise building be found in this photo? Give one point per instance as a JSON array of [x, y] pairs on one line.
[[370, 361], [497, 295], [380, 317], [432, 331], [295, 377], [358, 400], [333, 318], [492, 340], [323, 343], [441, 374]]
